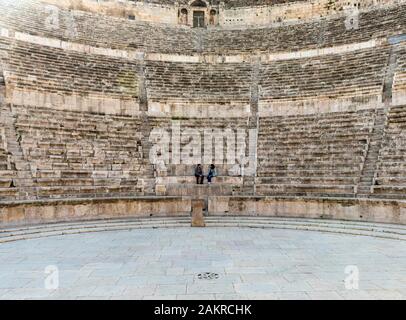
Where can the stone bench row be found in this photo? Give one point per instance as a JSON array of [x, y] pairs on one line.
[[400, 71], [390, 177], [32, 16], [305, 155], [344, 172], [305, 190], [50, 70], [100, 30], [31, 66], [104, 157], [322, 33], [359, 72], [198, 81]]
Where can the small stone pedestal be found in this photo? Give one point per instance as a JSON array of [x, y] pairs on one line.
[[197, 213]]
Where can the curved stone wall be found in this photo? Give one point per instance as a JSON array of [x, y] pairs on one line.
[[367, 210]]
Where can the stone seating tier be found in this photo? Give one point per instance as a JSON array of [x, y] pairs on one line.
[[78, 154], [31, 16], [7, 169], [179, 179], [314, 154], [322, 33], [399, 86], [356, 73], [198, 81], [227, 3], [253, 3], [52, 70], [390, 178]]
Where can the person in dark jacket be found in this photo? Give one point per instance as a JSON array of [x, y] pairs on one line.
[[199, 174], [212, 173]]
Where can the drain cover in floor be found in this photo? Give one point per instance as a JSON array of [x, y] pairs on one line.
[[208, 276]]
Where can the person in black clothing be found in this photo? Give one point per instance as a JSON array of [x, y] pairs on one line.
[[199, 174]]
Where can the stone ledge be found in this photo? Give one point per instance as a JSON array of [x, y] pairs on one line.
[[102, 104], [67, 210], [62, 210], [370, 210]]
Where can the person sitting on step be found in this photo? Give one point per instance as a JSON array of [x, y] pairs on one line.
[[212, 173], [199, 174]]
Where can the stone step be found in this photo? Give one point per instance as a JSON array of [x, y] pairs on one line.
[[387, 231], [22, 234], [204, 190], [349, 229]]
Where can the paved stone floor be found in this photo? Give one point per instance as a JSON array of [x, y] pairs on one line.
[[165, 263]]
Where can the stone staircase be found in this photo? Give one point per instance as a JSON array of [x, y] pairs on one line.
[[58, 229], [371, 159], [317, 155], [390, 176], [385, 231], [341, 76], [367, 179], [15, 175], [76, 155]]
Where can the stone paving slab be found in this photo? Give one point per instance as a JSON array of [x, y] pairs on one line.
[[165, 264]]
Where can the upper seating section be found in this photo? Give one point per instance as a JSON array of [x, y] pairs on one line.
[[252, 3], [227, 3], [198, 82], [34, 17], [320, 154], [53, 70], [390, 179], [323, 33], [352, 74], [76, 154], [31, 16]]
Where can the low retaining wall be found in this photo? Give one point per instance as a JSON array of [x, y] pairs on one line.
[[370, 210], [46, 211]]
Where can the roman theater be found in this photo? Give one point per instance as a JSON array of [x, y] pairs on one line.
[[107, 106]]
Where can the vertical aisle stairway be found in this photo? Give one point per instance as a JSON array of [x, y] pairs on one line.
[[364, 188]]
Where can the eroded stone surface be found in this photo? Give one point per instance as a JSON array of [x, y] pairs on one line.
[[197, 213]]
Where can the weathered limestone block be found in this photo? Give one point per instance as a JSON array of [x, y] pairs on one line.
[[46, 211], [160, 190], [197, 213], [371, 210]]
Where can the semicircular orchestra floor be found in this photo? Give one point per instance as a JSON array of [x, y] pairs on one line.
[[203, 263]]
